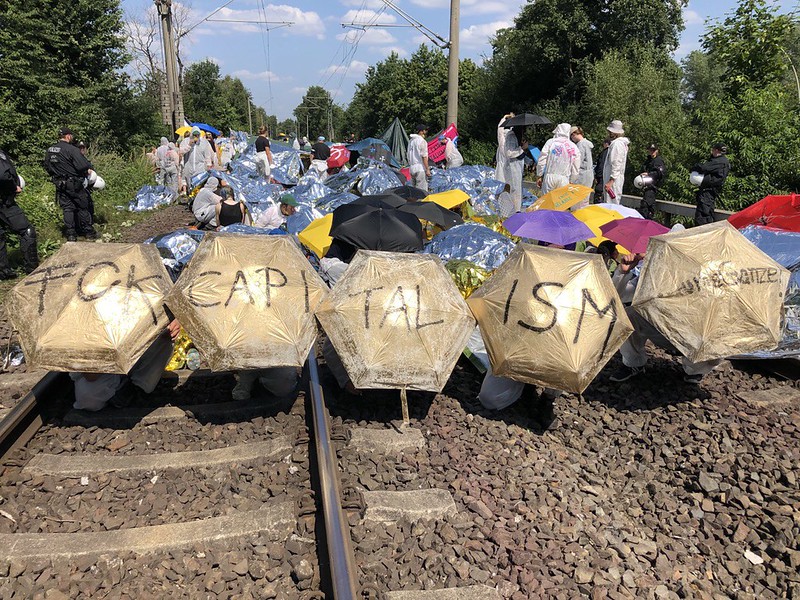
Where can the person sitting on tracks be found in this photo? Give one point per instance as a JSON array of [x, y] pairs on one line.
[[93, 391], [281, 382]]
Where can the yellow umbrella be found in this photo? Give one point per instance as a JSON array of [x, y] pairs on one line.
[[316, 236], [448, 200], [562, 198], [594, 217], [183, 130]]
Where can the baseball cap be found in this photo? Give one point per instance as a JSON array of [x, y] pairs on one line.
[[321, 138], [653, 146], [442, 138], [720, 146], [65, 131], [421, 127], [289, 199]]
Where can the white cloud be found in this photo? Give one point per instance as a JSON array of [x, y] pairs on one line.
[[299, 90], [214, 60], [257, 75], [370, 37], [477, 7], [684, 49], [692, 17], [477, 36], [368, 3], [356, 68], [368, 16], [387, 50], [229, 20]]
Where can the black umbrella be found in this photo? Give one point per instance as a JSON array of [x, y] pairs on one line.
[[526, 119], [409, 192], [380, 201], [371, 228], [430, 211]]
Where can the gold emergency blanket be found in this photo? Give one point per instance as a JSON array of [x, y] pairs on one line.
[[711, 292], [91, 307], [397, 321], [550, 317], [248, 301], [467, 276]]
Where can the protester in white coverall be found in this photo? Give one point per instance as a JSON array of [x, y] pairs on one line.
[[418, 158], [451, 153], [586, 169], [205, 203], [161, 154], [510, 159], [558, 164], [614, 167], [199, 158]]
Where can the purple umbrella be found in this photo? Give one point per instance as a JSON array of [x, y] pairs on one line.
[[552, 226], [633, 233]]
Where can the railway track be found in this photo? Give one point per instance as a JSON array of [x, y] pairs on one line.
[[185, 499]]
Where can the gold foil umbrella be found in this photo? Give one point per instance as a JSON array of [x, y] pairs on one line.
[[247, 301], [562, 198], [91, 307], [397, 321], [711, 292], [550, 317]]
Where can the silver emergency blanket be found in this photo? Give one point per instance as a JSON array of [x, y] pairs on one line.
[[473, 242], [309, 190], [302, 219], [150, 197], [329, 203], [467, 176], [240, 141], [243, 229], [177, 248], [366, 178], [784, 248]]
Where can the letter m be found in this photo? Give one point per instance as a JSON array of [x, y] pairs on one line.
[[610, 308]]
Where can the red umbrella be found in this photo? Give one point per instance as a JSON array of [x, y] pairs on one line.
[[339, 156], [633, 233], [778, 212]]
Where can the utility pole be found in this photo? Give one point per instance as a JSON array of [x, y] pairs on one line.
[[172, 108], [249, 117], [452, 64], [452, 45]]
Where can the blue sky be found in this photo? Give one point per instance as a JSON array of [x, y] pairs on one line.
[[278, 66]]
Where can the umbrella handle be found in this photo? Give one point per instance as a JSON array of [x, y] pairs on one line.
[[404, 407]]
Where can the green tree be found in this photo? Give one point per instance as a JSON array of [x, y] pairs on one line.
[[314, 113], [750, 43], [60, 65]]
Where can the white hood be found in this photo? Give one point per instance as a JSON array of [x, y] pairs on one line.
[[562, 130]]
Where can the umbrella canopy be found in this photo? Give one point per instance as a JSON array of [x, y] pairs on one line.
[[339, 157], [620, 209], [594, 217], [207, 127], [248, 301], [526, 119], [712, 293], [317, 235], [563, 198], [449, 199], [778, 212], [430, 211], [91, 307], [371, 228], [550, 317], [397, 321], [633, 233], [552, 226], [183, 130], [409, 192], [385, 200]]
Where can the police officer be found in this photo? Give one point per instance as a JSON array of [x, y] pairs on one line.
[[68, 169], [654, 168], [13, 219], [715, 172]]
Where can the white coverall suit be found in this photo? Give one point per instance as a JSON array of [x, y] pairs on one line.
[[510, 163], [614, 167], [558, 163]]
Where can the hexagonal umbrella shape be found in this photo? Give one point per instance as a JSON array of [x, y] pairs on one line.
[[248, 301], [712, 293], [91, 307], [550, 317], [397, 321]]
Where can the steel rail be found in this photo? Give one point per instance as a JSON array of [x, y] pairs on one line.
[[24, 420], [340, 550]]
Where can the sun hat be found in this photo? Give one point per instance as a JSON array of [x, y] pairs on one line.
[[289, 199], [616, 127]]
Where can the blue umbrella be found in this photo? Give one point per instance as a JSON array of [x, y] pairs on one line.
[[208, 128], [551, 226]]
